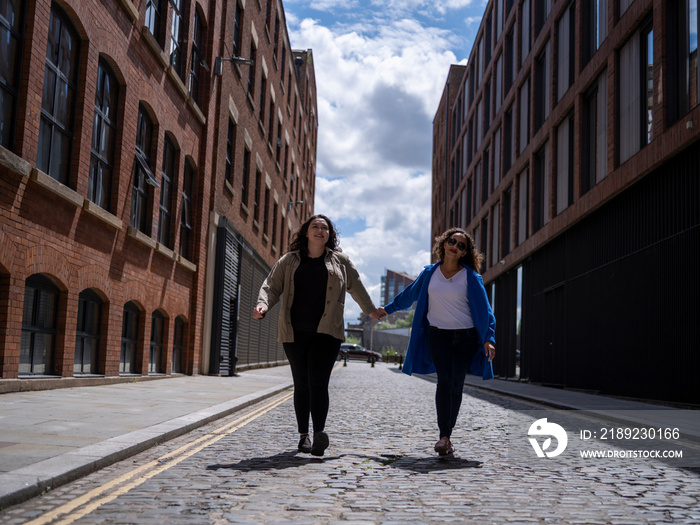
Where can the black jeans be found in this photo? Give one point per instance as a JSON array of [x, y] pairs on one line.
[[311, 357], [452, 352]]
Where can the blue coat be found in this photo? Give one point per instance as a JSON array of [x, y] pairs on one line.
[[417, 356]]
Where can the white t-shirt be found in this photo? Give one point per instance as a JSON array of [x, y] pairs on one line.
[[448, 305]]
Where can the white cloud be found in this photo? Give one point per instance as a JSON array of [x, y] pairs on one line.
[[379, 83]]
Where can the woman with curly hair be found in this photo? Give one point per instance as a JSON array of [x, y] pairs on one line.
[[453, 326], [311, 280]]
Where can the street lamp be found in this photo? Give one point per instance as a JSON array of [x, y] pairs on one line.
[[219, 67]]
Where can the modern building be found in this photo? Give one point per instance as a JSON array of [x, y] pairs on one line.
[[569, 147], [392, 283], [116, 156]]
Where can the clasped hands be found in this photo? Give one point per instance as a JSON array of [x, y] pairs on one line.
[[378, 314]]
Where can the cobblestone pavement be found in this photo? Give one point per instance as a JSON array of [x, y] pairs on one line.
[[380, 468]]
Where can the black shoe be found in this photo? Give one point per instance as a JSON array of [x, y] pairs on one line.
[[320, 443], [305, 444]]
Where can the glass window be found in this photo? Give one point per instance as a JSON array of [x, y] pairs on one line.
[[143, 175], [167, 180], [543, 82], [256, 196], [104, 133], [524, 116], [128, 362], [266, 217], [187, 213], [39, 327], [524, 31], [245, 176], [237, 30], [595, 135], [496, 158], [197, 59], [595, 22], [230, 145], [155, 358], [523, 196], [87, 339], [566, 50], [499, 84], [565, 164], [495, 228], [251, 71], [154, 12], [11, 36], [178, 346], [540, 200], [176, 50], [58, 100], [506, 236]]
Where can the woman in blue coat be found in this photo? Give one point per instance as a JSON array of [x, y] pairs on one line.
[[453, 326]]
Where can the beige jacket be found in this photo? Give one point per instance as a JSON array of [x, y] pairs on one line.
[[342, 276]]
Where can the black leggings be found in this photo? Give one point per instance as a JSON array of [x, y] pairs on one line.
[[311, 357]]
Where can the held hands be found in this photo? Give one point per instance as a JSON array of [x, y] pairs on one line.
[[489, 350], [259, 312], [378, 314]]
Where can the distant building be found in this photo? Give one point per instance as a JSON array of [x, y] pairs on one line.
[[569, 146], [392, 283]]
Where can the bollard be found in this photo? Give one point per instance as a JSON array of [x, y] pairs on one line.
[[345, 360], [400, 361], [373, 359]]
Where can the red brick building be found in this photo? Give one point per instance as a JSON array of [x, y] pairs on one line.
[[569, 147], [113, 159]]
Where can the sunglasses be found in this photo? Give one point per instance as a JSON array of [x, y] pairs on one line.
[[460, 245]]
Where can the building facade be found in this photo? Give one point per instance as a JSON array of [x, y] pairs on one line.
[[392, 283], [112, 162], [569, 147]]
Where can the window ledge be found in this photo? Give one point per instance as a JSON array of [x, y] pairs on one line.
[[163, 249], [130, 9], [155, 46], [195, 108], [274, 249], [256, 225], [179, 84], [186, 264], [11, 162], [262, 127], [55, 187], [245, 209], [141, 237], [251, 102], [228, 187], [266, 239], [102, 214]]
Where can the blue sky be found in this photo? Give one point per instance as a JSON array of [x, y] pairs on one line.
[[380, 72]]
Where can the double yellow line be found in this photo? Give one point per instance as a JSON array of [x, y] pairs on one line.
[[119, 486]]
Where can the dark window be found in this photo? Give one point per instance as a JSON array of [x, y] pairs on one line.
[[87, 339], [197, 58], [542, 9], [510, 61], [266, 216], [245, 177], [263, 85], [274, 225], [540, 199], [522, 206], [485, 177], [682, 75], [39, 327], [154, 12], [104, 131], [187, 213], [58, 101], [176, 51], [155, 357], [128, 363], [566, 50], [485, 242], [543, 82], [594, 161], [230, 150], [251, 71], [487, 40], [143, 175], [506, 239], [595, 27], [508, 136], [565, 164], [166, 193], [237, 30], [178, 346], [524, 135], [12, 37], [256, 196], [525, 31]]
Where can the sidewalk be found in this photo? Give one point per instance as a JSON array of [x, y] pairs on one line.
[[51, 437]]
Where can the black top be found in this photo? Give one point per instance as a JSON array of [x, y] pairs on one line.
[[310, 282]]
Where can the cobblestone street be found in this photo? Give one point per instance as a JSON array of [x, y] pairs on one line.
[[380, 468]]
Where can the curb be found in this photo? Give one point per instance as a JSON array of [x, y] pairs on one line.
[[28, 482]]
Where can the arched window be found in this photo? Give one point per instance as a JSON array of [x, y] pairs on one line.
[[178, 346], [87, 337], [143, 174], [39, 326], [11, 36], [104, 132], [58, 103], [186, 212], [128, 363], [155, 361]]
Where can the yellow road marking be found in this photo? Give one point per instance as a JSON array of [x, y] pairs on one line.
[[152, 467]]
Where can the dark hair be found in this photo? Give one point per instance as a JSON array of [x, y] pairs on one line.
[[473, 258], [300, 242]]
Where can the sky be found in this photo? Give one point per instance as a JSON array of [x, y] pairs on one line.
[[381, 68]]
